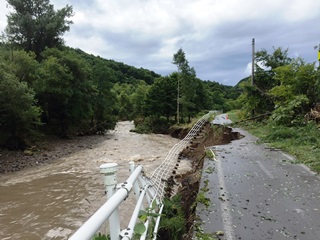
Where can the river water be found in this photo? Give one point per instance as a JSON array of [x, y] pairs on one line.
[[52, 201]]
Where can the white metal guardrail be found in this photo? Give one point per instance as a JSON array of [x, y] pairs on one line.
[[149, 194]]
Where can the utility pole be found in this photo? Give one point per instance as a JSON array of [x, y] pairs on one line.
[[252, 73], [178, 100], [319, 55]]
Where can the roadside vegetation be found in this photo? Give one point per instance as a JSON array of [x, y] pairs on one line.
[[282, 107], [300, 141]]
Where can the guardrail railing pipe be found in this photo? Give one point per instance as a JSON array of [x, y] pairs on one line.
[[109, 171], [136, 188]]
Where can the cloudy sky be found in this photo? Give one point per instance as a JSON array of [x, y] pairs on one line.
[[216, 35]]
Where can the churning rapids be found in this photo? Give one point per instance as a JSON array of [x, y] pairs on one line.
[[51, 201]]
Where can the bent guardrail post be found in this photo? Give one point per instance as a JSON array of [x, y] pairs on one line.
[[110, 181]]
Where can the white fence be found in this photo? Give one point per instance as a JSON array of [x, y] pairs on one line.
[[149, 194]]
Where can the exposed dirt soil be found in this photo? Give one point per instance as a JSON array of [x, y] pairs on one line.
[[190, 181]]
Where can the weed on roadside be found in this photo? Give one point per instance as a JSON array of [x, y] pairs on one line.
[[303, 142]]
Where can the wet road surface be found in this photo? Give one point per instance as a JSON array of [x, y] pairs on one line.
[[259, 193]]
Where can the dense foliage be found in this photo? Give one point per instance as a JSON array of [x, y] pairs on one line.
[[35, 25], [48, 88], [18, 110], [284, 87]]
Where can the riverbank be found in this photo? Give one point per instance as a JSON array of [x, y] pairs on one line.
[[51, 200], [45, 152]]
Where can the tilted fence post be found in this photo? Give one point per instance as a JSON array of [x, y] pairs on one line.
[[110, 181]]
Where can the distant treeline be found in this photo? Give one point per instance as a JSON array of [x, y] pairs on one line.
[[48, 88], [66, 91]]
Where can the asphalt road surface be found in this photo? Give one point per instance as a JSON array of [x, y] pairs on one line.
[[222, 119], [259, 193]]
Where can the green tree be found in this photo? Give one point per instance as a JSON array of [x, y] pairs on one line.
[[138, 99], [162, 97], [104, 99], [24, 66], [296, 92], [54, 92], [124, 92], [202, 96], [186, 85], [66, 90], [221, 97], [35, 25], [19, 114], [257, 97]]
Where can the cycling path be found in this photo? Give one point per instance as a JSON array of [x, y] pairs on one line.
[[258, 193]]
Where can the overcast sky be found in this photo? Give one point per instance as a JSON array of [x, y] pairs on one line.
[[216, 35]]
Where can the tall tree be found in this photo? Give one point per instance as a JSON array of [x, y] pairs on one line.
[[124, 92], [138, 99], [24, 66], [18, 111], [104, 98], [257, 97], [54, 91], [162, 96], [296, 93], [35, 25], [65, 89], [186, 85]]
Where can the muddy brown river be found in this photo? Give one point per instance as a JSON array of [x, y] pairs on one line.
[[52, 201]]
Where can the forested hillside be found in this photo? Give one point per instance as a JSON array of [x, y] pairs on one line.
[[48, 88]]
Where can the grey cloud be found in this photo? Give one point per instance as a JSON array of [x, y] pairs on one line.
[[221, 55], [219, 48]]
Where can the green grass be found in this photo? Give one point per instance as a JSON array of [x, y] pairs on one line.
[[209, 153], [101, 237], [234, 115], [173, 222], [303, 142]]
